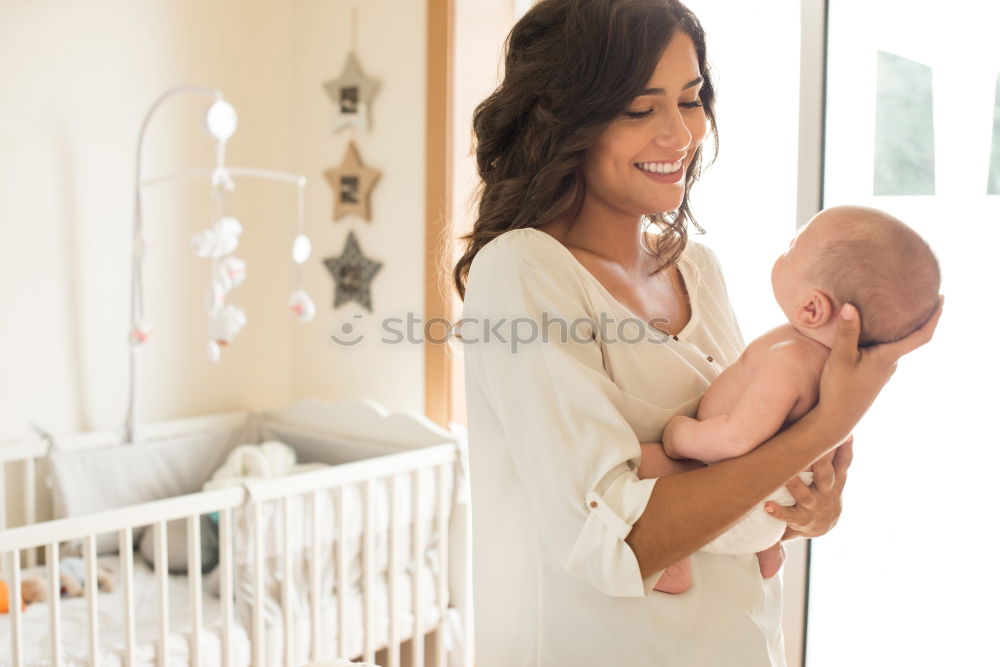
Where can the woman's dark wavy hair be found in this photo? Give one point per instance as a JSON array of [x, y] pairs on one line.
[[571, 67]]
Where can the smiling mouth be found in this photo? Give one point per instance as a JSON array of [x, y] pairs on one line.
[[660, 167]]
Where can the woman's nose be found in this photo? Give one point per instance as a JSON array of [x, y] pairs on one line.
[[672, 132]]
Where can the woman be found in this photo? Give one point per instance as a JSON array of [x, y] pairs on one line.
[[583, 336]]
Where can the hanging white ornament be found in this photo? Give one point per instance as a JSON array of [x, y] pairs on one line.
[[140, 333], [301, 249], [215, 297], [229, 227], [302, 305], [224, 325], [222, 177], [230, 271], [221, 120], [219, 240]]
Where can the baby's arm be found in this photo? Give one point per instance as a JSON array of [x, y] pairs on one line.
[[760, 413]]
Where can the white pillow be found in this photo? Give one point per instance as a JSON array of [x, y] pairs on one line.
[[85, 481], [177, 556]]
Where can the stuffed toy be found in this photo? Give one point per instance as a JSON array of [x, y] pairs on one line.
[[5, 597], [72, 577], [218, 240]]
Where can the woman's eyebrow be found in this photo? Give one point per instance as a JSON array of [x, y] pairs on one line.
[[659, 91]]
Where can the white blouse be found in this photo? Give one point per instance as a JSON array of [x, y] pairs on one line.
[[554, 430]]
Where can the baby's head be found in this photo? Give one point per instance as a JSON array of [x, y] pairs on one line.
[[863, 256]]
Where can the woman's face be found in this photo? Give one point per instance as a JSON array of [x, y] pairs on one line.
[[639, 164]]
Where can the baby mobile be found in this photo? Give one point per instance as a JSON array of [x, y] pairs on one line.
[[217, 242], [351, 181]]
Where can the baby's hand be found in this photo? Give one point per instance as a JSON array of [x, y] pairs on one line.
[[670, 433]]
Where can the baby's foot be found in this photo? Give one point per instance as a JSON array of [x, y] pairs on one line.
[[676, 578], [770, 560]]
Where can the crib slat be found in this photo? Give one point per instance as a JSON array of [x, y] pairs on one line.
[[194, 585], [29, 506], [160, 565], [442, 574], [343, 585], [3, 505], [90, 591], [418, 582], [226, 585], [17, 645], [128, 590], [52, 565], [286, 585], [394, 571], [314, 571], [258, 585], [368, 570], [3, 512]]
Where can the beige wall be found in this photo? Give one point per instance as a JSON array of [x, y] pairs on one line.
[[391, 46], [77, 79]]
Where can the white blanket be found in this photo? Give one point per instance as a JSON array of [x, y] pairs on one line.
[[264, 461], [111, 625]]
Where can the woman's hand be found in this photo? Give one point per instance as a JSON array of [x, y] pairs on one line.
[[817, 506], [853, 377]]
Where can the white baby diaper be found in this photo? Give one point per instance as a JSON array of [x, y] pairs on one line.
[[758, 530]]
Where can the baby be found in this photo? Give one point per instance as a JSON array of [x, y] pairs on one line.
[[844, 254]]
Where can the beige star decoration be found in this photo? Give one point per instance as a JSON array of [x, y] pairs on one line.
[[352, 183], [351, 93]]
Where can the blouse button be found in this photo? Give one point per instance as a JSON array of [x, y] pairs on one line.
[[709, 358], [675, 338], [593, 503]]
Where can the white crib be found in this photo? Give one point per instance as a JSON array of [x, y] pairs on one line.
[[367, 558]]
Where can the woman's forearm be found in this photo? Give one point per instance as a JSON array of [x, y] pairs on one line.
[[689, 510]]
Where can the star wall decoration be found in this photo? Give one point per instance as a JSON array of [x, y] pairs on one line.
[[352, 274], [351, 93], [352, 183]]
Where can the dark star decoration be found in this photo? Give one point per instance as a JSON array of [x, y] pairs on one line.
[[352, 274]]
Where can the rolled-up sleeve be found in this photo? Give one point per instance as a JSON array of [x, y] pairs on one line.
[[532, 343]]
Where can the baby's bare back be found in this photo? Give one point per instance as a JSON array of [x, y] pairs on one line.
[[727, 389]]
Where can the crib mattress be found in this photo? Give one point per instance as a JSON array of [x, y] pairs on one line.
[[111, 622], [111, 625]]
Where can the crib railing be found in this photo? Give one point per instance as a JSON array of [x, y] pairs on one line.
[[20, 461], [309, 486]]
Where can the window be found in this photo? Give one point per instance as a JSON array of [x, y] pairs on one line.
[[908, 577]]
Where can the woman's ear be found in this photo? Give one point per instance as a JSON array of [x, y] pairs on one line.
[[816, 310]]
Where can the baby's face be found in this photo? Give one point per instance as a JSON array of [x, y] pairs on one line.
[[789, 275]]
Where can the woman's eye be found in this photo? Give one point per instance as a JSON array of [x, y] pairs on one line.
[[638, 114], [692, 105]]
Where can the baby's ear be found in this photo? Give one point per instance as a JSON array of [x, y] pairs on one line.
[[816, 311]]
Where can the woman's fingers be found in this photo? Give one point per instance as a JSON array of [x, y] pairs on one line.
[[794, 516], [845, 344], [804, 495], [893, 351], [824, 474], [797, 514]]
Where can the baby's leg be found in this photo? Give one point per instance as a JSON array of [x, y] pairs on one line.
[[655, 463], [676, 578], [770, 560]]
